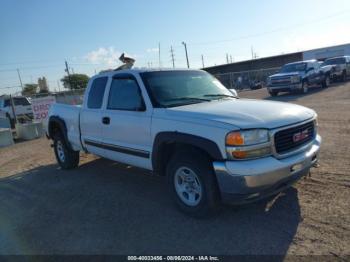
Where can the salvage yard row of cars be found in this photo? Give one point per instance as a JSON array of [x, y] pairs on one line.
[[297, 77]]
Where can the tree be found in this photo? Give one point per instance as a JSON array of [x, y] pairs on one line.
[[29, 89], [75, 81]]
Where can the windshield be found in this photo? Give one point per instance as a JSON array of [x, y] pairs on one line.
[[18, 101], [335, 61], [299, 67], [176, 88]]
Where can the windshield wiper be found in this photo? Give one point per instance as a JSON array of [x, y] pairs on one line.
[[220, 95], [189, 98]]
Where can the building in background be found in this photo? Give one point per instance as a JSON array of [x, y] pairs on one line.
[[43, 87], [280, 60], [259, 69]]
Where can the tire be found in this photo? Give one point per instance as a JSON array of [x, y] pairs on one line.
[[304, 87], [66, 157], [326, 82], [343, 77], [273, 93], [191, 170]]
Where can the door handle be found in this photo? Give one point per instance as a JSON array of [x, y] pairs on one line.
[[106, 120]]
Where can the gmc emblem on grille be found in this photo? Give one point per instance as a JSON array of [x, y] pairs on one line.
[[300, 135]]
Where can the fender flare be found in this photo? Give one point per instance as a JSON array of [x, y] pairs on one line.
[[164, 138], [62, 126]]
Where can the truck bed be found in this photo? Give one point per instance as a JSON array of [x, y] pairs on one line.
[[70, 114]]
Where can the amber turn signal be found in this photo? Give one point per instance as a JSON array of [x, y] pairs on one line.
[[234, 139], [239, 154]]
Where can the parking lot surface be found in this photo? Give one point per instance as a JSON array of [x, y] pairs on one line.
[[107, 208]]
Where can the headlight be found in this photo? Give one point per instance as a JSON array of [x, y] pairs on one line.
[[269, 81], [248, 144], [295, 79], [247, 137]]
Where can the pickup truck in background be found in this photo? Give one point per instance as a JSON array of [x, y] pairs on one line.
[[184, 124], [340, 67], [297, 77], [22, 107]]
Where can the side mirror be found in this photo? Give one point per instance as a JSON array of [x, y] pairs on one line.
[[310, 69]]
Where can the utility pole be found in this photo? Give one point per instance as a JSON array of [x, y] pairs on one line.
[[160, 63], [202, 61], [188, 64], [67, 70], [231, 60], [227, 59], [20, 79], [13, 109], [172, 56], [252, 52], [58, 85]]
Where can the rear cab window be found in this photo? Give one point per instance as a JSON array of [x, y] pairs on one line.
[[96, 92]]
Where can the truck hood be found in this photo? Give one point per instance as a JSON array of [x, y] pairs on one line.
[[243, 113], [287, 74]]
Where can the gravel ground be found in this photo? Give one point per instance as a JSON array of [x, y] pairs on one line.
[[108, 208]]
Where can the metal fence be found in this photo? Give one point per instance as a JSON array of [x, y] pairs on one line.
[[245, 79], [70, 97]]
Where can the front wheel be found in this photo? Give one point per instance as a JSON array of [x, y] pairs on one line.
[[192, 183], [326, 82], [66, 157]]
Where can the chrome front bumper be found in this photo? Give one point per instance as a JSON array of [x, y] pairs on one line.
[[288, 87], [250, 180]]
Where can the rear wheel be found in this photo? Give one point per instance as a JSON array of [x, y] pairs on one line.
[[192, 182], [304, 87], [343, 76], [66, 157]]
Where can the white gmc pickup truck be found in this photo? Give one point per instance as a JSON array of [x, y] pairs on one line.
[[185, 125]]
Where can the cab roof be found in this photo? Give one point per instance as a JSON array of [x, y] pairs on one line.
[[142, 70]]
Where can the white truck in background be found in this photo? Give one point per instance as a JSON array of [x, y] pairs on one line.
[[340, 67], [184, 124], [22, 107]]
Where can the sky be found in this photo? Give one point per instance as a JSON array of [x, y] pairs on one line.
[[37, 37]]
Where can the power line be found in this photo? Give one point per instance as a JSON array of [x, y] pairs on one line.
[[318, 20], [9, 87]]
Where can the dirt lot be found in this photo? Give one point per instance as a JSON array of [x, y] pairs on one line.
[[105, 207]]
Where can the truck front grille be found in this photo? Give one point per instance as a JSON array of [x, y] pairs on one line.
[[289, 139], [276, 81]]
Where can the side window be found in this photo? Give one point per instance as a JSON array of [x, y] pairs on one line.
[[96, 92], [125, 94]]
